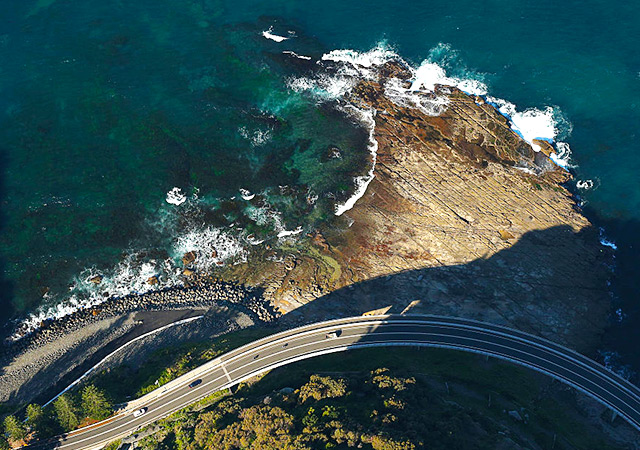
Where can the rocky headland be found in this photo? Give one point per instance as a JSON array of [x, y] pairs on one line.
[[462, 218]]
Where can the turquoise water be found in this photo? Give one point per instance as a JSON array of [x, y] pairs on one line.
[[107, 106]]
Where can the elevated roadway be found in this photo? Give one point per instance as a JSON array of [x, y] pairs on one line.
[[360, 332]]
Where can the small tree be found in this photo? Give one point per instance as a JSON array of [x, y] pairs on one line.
[[66, 412], [322, 387], [95, 404], [386, 443], [14, 428], [35, 417]]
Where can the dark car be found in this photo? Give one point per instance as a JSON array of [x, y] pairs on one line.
[[334, 334], [195, 383]]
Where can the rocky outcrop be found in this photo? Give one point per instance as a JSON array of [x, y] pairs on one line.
[[463, 218]]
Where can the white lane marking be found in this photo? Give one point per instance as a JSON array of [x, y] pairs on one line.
[[122, 347], [225, 372], [403, 322], [361, 335], [517, 359], [294, 334], [592, 366], [523, 352]]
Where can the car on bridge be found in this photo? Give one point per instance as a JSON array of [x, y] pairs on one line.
[[195, 383], [333, 334], [139, 412]]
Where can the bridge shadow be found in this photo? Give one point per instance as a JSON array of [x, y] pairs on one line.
[[551, 283]]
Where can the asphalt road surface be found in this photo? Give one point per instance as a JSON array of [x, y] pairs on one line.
[[358, 332]]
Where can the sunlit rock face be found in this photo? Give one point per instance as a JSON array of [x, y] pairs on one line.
[[462, 217]]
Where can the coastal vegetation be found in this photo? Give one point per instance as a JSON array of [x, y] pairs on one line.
[[384, 408], [405, 399], [68, 412], [401, 400]]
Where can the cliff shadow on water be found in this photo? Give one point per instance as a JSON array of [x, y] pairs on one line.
[[533, 286], [623, 336]]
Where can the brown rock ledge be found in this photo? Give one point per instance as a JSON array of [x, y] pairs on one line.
[[462, 218]]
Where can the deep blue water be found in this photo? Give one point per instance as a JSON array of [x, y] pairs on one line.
[[105, 106]]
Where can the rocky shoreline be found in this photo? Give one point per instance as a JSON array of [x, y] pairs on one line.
[[43, 360], [200, 293], [462, 218]]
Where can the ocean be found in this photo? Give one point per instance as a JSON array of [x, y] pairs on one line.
[[131, 133]]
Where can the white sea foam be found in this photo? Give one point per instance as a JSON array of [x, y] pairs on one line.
[[585, 184], [606, 242], [274, 37], [323, 86], [312, 197], [175, 196], [212, 246], [562, 156], [362, 182], [529, 124], [352, 66], [294, 54], [349, 67], [246, 195], [429, 74], [257, 137], [267, 216], [377, 56], [129, 276], [429, 104], [251, 239], [285, 233], [538, 124], [57, 311]]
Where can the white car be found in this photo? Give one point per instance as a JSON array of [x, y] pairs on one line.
[[139, 412]]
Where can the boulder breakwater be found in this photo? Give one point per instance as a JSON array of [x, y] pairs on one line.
[[200, 293]]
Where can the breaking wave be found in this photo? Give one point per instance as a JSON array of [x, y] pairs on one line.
[[344, 68], [605, 241], [268, 34], [362, 182], [212, 247], [175, 197], [183, 230], [540, 124], [295, 55], [134, 274]]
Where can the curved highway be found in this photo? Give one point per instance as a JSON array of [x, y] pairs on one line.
[[358, 332]]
